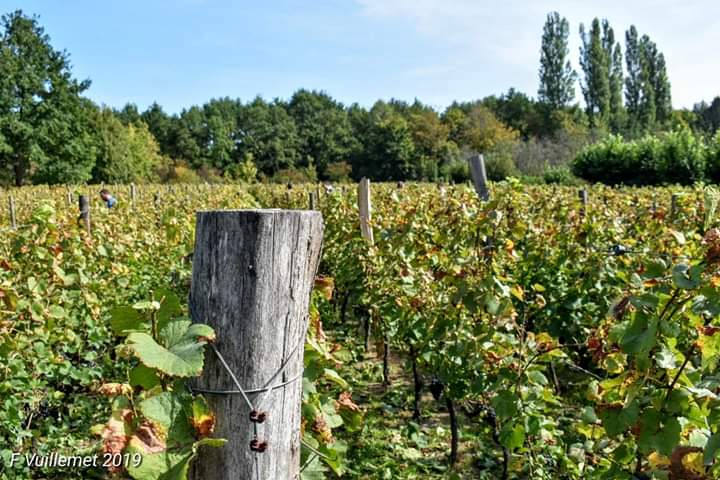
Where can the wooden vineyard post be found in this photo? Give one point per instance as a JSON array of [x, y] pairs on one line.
[[674, 206], [479, 177], [69, 196], [11, 206], [132, 195], [84, 205], [253, 271], [583, 194], [312, 200], [365, 208]]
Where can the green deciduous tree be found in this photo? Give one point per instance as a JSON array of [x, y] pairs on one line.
[[617, 109], [557, 78], [162, 126], [519, 112], [596, 87], [191, 137], [707, 116], [221, 116], [388, 150], [647, 88], [323, 128], [654, 62], [44, 131], [601, 62], [633, 81], [430, 137], [268, 132], [479, 130], [125, 153]]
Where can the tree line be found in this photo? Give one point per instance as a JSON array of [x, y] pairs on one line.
[[51, 133]]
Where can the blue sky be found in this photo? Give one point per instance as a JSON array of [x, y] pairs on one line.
[[185, 52]]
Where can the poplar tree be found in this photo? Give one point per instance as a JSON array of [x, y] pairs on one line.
[[601, 62], [557, 78], [596, 84], [647, 88], [633, 81]]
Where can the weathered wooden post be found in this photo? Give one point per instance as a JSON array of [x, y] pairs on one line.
[[132, 195], [13, 219], [479, 177], [253, 271], [365, 208], [69, 196], [312, 200], [674, 205], [583, 194], [84, 205]]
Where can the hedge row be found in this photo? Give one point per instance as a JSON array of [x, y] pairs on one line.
[[674, 157]]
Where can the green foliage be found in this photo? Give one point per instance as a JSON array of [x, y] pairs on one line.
[[295, 175], [499, 164], [323, 127], [44, 129], [126, 153], [706, 117], [456, 170], [158, 422], [713, 159], [245, 171], [179, 172], [647, 88], [557, 78], [478, 129], [389, 151], [674, 157], [560, 176], [338, 171], [514, 305]]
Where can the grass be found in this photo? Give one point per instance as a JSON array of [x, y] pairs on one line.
[[392, 445]]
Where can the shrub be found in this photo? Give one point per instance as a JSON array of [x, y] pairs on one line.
[[338, 172], [712, 158], [180, 172], [674, 157], [534, 156], [456, 170], [499, 165], [295, 175], [561, 176], [682, 159], [210, 174], [245, 171]]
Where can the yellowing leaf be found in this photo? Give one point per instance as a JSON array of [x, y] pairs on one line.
[[658, 461]]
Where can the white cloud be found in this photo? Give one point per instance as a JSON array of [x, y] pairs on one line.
[[498, 43]]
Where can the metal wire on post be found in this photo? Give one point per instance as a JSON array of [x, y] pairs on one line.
[[255, 417]]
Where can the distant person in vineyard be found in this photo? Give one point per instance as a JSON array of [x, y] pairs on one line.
[[107, 197]]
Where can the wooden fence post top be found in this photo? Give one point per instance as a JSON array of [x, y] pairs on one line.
[[479, 176], [257, 211]]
